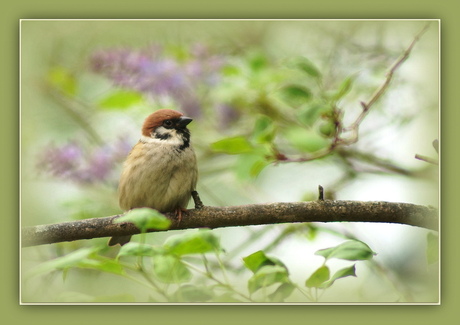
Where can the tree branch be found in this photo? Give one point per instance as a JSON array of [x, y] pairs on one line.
[[339, 138], [354, 128], [245, 215]]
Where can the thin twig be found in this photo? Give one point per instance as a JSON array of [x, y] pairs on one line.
[[212, 277], [381, 90], [427, 159], [366, 107], [320, 193]]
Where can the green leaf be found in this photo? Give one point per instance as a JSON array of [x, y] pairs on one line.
[[82, 258], [257, 167], [63, 80], [232, 146], [432, 248], [180, 53], [305, 140], [257, 260], [308, 67], [312, 232], [327, 129], [170, 269], [63, 262], [230, 70], [138, 249], [344, 87], [266, 276], [192, 293], [249, 165], [257, 62], [282, 292], [196, 242], [342, 273], [103, 264], [264, 130], [318, 277], [145, 218], [296, 95], [121, 99], [352, 250], [309, 114]]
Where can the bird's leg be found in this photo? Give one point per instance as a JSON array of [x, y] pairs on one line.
[[178, 213], [197, 200]]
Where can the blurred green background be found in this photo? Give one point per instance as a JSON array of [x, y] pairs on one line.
[[274, 86]]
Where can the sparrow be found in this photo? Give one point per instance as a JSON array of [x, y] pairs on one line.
[[161, 171]]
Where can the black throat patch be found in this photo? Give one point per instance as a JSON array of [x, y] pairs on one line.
[[164, 136], [183, 133]]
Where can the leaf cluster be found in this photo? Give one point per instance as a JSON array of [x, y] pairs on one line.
[[174, 270], [287, 109], [271, 272]]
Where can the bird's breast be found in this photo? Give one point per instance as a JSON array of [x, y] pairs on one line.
[[157, 176]]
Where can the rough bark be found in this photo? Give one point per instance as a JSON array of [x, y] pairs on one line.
[[245, 215]]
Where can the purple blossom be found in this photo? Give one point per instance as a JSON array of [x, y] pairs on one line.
[[73, 163], [156, 75], [68, 157], [121, 149], [226, 114], [98, 166]]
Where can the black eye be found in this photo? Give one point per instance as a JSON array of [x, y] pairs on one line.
[[168, 123]]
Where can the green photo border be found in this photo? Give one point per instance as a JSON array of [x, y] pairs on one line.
[[14, 313]]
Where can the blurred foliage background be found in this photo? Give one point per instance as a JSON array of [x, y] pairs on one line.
[[269, 100]]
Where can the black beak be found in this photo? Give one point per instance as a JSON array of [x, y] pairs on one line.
[[184, 121]]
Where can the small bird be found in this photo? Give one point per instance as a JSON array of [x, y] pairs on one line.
[[160, 172]]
